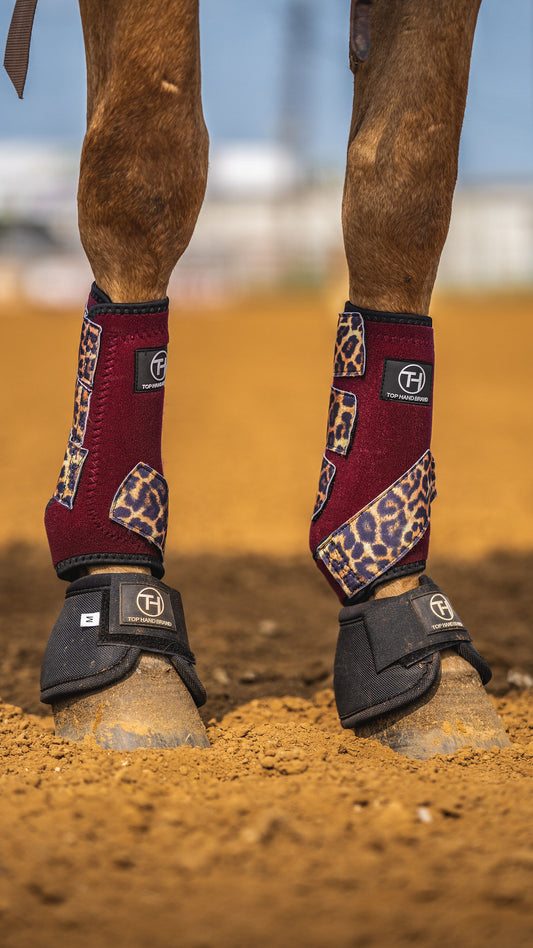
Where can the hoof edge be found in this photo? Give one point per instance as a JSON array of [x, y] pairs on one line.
[[150, 708], [456, 712]]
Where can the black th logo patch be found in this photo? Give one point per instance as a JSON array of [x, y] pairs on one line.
[[146, 606], [437, 613], [150, 369], [405, 381]]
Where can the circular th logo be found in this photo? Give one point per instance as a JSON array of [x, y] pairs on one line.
[[440, 607], [412, 379], [150, 602], [158, 366]]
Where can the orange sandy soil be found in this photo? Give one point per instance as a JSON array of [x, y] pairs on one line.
[[288, 831]]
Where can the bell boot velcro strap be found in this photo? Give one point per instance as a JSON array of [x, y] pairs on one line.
[[388, 651], [403, 629], [107, 620]]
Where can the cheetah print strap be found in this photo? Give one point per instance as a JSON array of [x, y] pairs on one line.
[[141, 504], [325, 483], [67, 485], [375, 538], [89, 351], [82, 400], [70, 474], [341, 421], [350, 353]]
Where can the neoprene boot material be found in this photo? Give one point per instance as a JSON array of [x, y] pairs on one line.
[[111, 500], [371, 523], [371, 518]]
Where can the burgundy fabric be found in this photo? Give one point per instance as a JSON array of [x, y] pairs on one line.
[[123, 428], [389, 436]]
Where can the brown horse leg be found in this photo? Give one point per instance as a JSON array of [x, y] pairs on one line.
[[144, 161], [142, 181], [409, 99]]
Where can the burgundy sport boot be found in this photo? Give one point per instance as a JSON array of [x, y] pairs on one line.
[[118, 663], [370, 526]]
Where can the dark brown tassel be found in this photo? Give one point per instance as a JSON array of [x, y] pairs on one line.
[[359, 32], [18, 43]]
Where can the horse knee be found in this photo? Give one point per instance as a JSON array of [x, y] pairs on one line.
[[396, 212], [142, 181]]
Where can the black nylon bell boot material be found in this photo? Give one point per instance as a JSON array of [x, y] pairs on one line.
[[107, 620], [388, 651]]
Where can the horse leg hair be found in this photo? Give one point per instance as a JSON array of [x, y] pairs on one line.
[[409, 99], [144, 160]]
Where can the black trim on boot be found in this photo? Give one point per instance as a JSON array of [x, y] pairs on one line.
[[377, 316], [395, 572], [70, 569], [105, 305]]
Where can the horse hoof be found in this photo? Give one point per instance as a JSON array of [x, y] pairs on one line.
[[151, 707], [456, 712]]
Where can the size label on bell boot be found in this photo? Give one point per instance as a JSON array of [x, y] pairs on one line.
[[405, 381], [150, 369]]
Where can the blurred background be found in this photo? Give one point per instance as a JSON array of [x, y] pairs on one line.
[[268, 251], [277, 100]]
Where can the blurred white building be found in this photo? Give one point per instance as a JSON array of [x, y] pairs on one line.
[[263, 222], [490, 242]]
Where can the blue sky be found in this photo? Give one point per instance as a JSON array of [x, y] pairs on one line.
[[244, 56]]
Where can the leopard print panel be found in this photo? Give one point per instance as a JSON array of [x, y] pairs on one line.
[[69, 477], [433, 479], [75, 455], [141, 504], [325, 482], [350, 353], [89, 350], [341, 420], [81, 412], [375, 538]]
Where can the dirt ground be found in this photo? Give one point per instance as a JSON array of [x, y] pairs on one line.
[[288, 831]]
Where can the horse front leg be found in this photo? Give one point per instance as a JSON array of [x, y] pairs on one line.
[[405, 668], [118, 664]]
